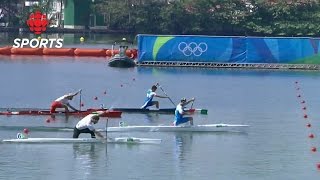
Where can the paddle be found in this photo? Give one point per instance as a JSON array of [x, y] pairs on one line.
[[166, 94], [107, 129], [108, 138], [191, 104], [80, 100]]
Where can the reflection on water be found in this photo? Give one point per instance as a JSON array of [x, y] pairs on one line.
[[183, 144], [86, 157], [183, 141], [181, 151], [85, 151], [52, 119], [151, 117], [157, 119]]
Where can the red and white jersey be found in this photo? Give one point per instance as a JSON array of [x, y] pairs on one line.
[[63, 99]]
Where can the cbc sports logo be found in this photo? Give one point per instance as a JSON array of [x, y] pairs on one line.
[[193, 48], [37, 24]]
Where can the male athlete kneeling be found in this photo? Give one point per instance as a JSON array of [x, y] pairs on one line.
[[85, 125]]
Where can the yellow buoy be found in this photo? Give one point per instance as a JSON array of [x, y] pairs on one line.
[[81, 39]]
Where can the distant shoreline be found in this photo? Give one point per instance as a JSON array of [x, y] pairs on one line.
[[64, 30]]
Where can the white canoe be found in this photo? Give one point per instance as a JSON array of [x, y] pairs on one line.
[[195, 128], [118, 140]]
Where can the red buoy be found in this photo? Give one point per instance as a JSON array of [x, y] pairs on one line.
[[308, 125], [304, 108], [303, 102], [313, 149], [105, 92], [318, 166], [305, 116], [299, 95], [26, 130], [95, 98], [311, 136], [82, 104]]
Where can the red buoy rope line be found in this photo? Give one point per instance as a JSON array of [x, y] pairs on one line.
[[311, 136]]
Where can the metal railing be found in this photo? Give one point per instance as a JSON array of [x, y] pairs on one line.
[[230, 65]]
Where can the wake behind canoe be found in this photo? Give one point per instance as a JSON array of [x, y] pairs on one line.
[[163, 110], [108, 113], [195, 128], [118, 140]]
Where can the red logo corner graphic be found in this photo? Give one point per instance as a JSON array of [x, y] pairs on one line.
[[37, 22]]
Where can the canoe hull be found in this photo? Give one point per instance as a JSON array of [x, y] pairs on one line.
[[121, 62], [111, 113], [163, 110]]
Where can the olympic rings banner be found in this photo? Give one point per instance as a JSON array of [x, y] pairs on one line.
[[228, 49]]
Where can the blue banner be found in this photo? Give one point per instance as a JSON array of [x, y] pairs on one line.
[[228, 49]]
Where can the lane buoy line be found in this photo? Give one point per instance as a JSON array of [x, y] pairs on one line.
[[311, 135]]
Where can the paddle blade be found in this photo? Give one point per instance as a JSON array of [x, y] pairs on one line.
[[201, 111], [204, 111]]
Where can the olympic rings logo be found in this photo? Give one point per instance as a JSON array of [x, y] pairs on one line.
[[193, 48]]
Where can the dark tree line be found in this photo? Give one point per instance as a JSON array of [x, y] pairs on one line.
[[211, 17], [214, 17], [16, 13]]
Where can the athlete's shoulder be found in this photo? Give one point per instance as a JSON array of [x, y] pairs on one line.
[[64, 96], [180, 106]]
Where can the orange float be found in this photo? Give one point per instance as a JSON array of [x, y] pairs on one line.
[[111, 52], [59, 51], [27, 51], [135, 52], [129, 53], [5, 50], [8, 50], [90, 52]]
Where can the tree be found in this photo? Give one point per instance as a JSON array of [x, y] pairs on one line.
[[281, 18]]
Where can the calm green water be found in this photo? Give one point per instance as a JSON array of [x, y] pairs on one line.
[[276, 146]]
